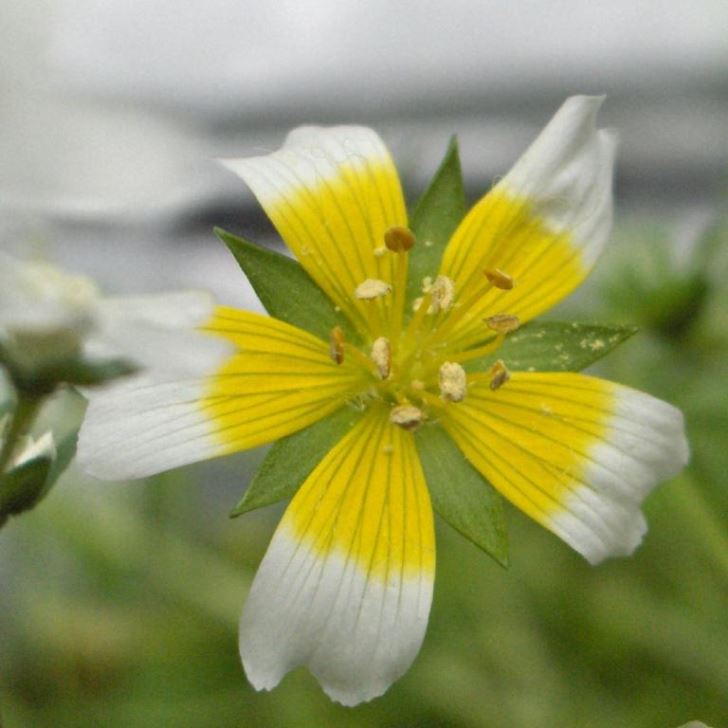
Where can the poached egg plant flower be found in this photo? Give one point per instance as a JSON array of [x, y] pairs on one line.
[[418, 352]]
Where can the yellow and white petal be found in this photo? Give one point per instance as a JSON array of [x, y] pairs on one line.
[[278, 380], [332, 193], [576, 453], [544, 224], [145, 329], [346, 584]]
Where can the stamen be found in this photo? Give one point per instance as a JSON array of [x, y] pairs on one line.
[[407, 416], [499, 375], [382, 356], [453, 382], [399, 239], [499, 279], [443, 294], [336, 345], [460, 310], [503, 323], [380, 251], [420, 306], [372, 288]]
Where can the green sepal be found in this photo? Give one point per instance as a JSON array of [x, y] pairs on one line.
[[92, 373], [25, 486], [285, 289], [22, 487], [555, 346], [434, 219], [291, 459], [460, 495], [79, 372]]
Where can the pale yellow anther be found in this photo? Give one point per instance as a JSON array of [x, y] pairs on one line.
[[399, 239], [336, 344], [499, 278], [503, 323], [407, 416], [382, 356], [372, 288], [380, 251], [417, 303], [426, 284], [453, 382], [442, 292], [499, 375]]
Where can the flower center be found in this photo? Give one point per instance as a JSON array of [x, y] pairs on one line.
[[414, 368]]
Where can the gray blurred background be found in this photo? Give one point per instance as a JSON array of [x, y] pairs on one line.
[[113, 111]]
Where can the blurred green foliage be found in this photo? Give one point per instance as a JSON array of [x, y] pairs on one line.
[[119, 602]]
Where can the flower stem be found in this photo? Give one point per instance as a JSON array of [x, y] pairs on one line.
[[20, 421]]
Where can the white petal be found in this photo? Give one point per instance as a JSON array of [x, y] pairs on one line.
[[576, 453], [142, 425], [332, 194], [346, 585], [158, 332], [645, 445], [356, 635], [567, 174], [310, 155]]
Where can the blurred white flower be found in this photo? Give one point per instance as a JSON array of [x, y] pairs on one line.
[[49, 316], [44, 313]]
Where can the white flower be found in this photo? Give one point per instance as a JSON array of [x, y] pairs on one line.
[[48, 315], [44, 313]]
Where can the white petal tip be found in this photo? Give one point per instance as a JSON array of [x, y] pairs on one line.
[[357, 636], [647, 445]]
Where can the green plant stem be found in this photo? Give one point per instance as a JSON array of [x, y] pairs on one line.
[[20, 421]]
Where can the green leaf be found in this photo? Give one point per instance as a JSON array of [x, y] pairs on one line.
[[460, 495], [23, 487], [290, 460], [555, 346], [285, 289], [435, 217]]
